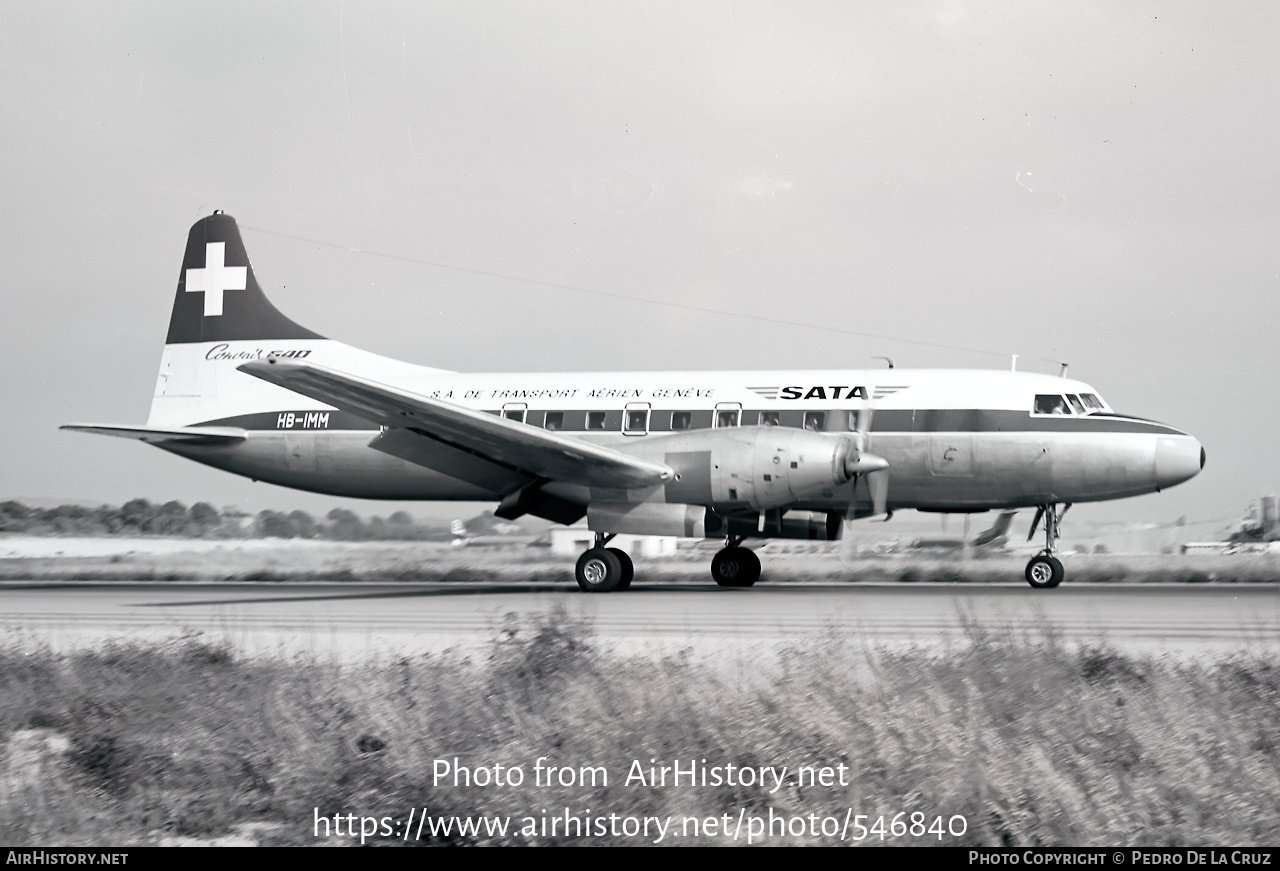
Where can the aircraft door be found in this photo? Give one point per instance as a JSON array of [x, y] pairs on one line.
[[300, 451], [727, 414]]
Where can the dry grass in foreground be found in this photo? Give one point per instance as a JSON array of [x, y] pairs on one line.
[[1031, 742]]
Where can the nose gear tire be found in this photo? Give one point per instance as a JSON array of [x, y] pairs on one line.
[[1044, 572]]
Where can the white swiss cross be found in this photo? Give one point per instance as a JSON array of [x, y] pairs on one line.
[[215, 278]]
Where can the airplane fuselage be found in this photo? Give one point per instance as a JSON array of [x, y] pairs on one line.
[[956, 440]]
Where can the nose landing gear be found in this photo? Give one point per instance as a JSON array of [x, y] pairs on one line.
[[1045, 570]]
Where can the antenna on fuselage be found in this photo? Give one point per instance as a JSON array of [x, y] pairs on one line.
[[888, 360], [1013, 366], [1063, 373]]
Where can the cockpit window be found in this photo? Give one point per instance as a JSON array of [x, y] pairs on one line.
[[1051, 403], [1076, 403], [1092, 402]]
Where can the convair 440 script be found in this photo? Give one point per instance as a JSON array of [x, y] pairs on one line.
[[723, 455]]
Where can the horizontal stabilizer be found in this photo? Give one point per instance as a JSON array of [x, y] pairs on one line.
[[517, 446], [189, 435]]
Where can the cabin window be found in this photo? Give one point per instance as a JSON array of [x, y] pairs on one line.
[[770, 418], [815, 421], [1051, 403], [595, 420], [681, 419], [727, 417], [516, 414], [555, 420]]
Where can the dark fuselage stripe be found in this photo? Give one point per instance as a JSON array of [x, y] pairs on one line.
[[893, 420]]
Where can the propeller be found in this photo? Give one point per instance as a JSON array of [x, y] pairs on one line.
[[876, 469], [859, 463]]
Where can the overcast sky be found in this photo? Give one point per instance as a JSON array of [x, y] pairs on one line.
[[1088, 182]]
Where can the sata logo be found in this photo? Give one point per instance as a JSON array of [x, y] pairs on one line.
[[837, 392]]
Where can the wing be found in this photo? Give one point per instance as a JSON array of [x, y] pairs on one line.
[[190, 435], [517, 447]]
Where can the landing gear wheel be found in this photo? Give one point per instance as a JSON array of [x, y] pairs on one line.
[[1044, 571], [735, 567], [599, 571], [628, 567]]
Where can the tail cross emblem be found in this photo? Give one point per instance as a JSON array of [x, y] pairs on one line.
[[214, 278]]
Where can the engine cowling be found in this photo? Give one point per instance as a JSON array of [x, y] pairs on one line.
[[757, 467]]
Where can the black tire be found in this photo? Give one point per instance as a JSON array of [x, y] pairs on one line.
[[598, 571], [735, 567], [1044, 572], [628, 567]]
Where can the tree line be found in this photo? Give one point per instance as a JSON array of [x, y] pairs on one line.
[[202, 520]]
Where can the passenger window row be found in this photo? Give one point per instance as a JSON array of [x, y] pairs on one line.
[[639, 421]]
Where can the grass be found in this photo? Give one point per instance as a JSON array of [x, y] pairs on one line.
[[1032, 742], [329, 562]]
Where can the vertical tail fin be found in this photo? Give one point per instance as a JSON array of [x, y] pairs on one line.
[[218, 297], [220, 318]]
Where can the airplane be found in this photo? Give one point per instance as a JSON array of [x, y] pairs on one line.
[[483, 531], [720, 455], [994, 538]]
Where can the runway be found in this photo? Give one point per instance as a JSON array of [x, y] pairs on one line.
[[359, 621]]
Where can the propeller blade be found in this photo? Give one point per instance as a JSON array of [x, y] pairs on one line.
[[878, 484], [847, 549], [863, 428]]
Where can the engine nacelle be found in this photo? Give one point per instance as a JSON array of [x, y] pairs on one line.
[[805, 525], [695, 521], [651, 518], [756, 467]]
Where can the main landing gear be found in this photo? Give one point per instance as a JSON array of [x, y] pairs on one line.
[[608, 569], [1045, 570], [734, 565], [604, 569]]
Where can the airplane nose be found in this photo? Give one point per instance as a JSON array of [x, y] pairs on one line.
[[1178, 458]]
